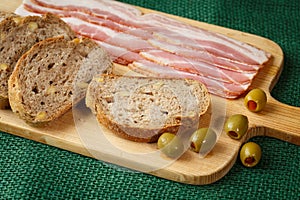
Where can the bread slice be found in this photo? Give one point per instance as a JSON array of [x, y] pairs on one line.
[[4, 15], [51, 75], [19, 34], [142, 108]]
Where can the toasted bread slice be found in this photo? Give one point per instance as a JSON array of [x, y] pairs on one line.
[[51, 75], [19, 34], [142, 108]]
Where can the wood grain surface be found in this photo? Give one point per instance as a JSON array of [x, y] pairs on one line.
[[276, 120]]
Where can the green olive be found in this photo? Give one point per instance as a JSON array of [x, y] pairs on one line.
[[250, 154], [170, 145], [203, 140], [236, 126], [255, 100]]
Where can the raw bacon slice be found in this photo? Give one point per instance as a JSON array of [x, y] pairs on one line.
[[89, 30], [197, 67], [106, 9], [217, 49], [130, 42], [107, 35], [120, 55], [203, 56]]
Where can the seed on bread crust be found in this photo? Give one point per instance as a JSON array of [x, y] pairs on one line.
[[40, 116], [33, 26], [17, 20], [2, 36], [51, 90], [3, 66]]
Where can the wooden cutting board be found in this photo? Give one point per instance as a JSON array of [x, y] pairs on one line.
[[276, 120]]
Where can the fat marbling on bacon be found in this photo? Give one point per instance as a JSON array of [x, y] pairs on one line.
[[156, 45]]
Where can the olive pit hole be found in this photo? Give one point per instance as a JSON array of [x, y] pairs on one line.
[[250, 160], [233, 134], [252, 105], [193, 146]]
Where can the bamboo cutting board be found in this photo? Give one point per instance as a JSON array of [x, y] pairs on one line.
[[276, 120]]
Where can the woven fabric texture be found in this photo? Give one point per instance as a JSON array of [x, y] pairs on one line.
[[30, 170]]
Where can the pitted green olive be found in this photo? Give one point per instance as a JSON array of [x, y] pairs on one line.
[[236, 126], [250, 154], [203, 140], [170, 145], [255, 100]]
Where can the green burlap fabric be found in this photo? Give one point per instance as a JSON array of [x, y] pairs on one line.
[[31, 170]]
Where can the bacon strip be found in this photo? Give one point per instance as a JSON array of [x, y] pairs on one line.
[[90, 30], [197, 67], [106, 9], [203, 56], [120, 55], [108, 35]]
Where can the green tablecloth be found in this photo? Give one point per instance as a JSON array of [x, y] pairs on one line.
[[31, 170]]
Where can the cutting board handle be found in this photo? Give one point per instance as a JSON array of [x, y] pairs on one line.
[[277, 120]]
